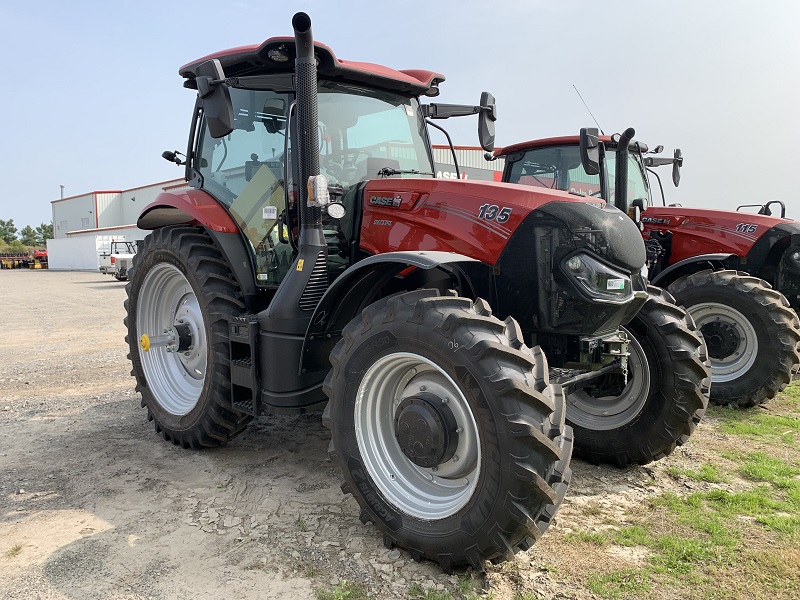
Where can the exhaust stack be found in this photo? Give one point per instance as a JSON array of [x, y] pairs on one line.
[[307, 281], [621, 171], [307, 123]]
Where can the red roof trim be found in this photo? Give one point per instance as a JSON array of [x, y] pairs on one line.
[[169, 182]]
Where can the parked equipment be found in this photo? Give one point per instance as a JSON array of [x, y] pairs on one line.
[[727, 268], [34, 259], [117, 259], [316, 261]]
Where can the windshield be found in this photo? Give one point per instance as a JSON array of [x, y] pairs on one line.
[[554, 167], [361, 132], [559, 168]]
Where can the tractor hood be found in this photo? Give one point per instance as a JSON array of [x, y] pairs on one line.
[[709, 231], [477, 218]]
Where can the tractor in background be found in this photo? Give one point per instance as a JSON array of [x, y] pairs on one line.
[[316, 262], [738, 274]]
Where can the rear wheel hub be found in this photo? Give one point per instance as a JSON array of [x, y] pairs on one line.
[[721, 338], [425, 429]]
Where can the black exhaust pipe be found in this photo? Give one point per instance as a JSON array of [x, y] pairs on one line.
[[621, 171], [307, 280], [307, 121]]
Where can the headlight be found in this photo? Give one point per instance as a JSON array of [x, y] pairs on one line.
[[596, 279]]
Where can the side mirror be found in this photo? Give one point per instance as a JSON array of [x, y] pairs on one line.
[[486, 119], [590, 150], [677, 163], [216, 98]]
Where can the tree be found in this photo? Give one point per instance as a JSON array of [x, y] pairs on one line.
[[44, 232], [28, 236], [8, 232]]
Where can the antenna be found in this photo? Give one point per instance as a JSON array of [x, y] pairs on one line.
[[587, 108]]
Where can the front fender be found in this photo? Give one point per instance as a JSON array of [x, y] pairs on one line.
[[359, 286], [687, 266]]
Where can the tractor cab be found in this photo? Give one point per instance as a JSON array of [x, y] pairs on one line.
[[556, 163], [361, 135], [370, 125]]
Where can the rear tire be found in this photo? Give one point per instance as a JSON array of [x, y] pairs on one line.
[[494, 488], [665, 396], [180, 276], [751, 332]]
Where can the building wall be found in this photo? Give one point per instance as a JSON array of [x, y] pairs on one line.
[[109, 210], [133, 201], [471, 163], [69, 214], [73, 254]]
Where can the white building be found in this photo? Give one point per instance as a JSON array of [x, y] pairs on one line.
[[85, 225]]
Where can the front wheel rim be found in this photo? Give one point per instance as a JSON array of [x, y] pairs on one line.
[[424, 493], [602, 411], [166, 299], [739, 360]]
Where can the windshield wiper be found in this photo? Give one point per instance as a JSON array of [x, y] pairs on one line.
[[389, 171]]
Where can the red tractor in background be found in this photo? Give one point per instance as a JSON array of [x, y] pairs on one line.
[[316, 262], [738, 274]]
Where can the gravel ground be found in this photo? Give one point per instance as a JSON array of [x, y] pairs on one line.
[[93, 504]]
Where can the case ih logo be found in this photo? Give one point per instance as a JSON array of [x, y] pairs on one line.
[[385, 201], [656, 220]]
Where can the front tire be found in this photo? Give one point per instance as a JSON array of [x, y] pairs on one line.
[[751, 332], [446, 430], [181, 278], [663, 400]]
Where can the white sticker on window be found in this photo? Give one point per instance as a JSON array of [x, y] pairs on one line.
[[271, 212], [615, 284], [262, 276], [409, 110]]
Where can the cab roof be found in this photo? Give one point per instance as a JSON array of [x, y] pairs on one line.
[[255, 60], [565, 140]]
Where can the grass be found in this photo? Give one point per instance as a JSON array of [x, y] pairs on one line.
[[757, 424], [14, 550], [708, 473], [465, 589], [737, 538], [344, 590], [621, 584], [301, 525]]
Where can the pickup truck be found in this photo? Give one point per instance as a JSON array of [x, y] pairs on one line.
[[117, 260]]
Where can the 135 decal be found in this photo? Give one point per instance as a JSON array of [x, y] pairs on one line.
[[492, 212]]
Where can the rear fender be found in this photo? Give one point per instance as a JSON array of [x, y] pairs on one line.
[[196, 207], [370, 279], [187, 207], [687, 266]]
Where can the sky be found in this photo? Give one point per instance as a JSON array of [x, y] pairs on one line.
[[91, 94]]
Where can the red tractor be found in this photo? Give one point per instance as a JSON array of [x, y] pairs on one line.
[[316, 262], [732, 271]]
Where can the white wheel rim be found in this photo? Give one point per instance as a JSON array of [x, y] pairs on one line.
[[741, 359], [167, 299], [424, 493]]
